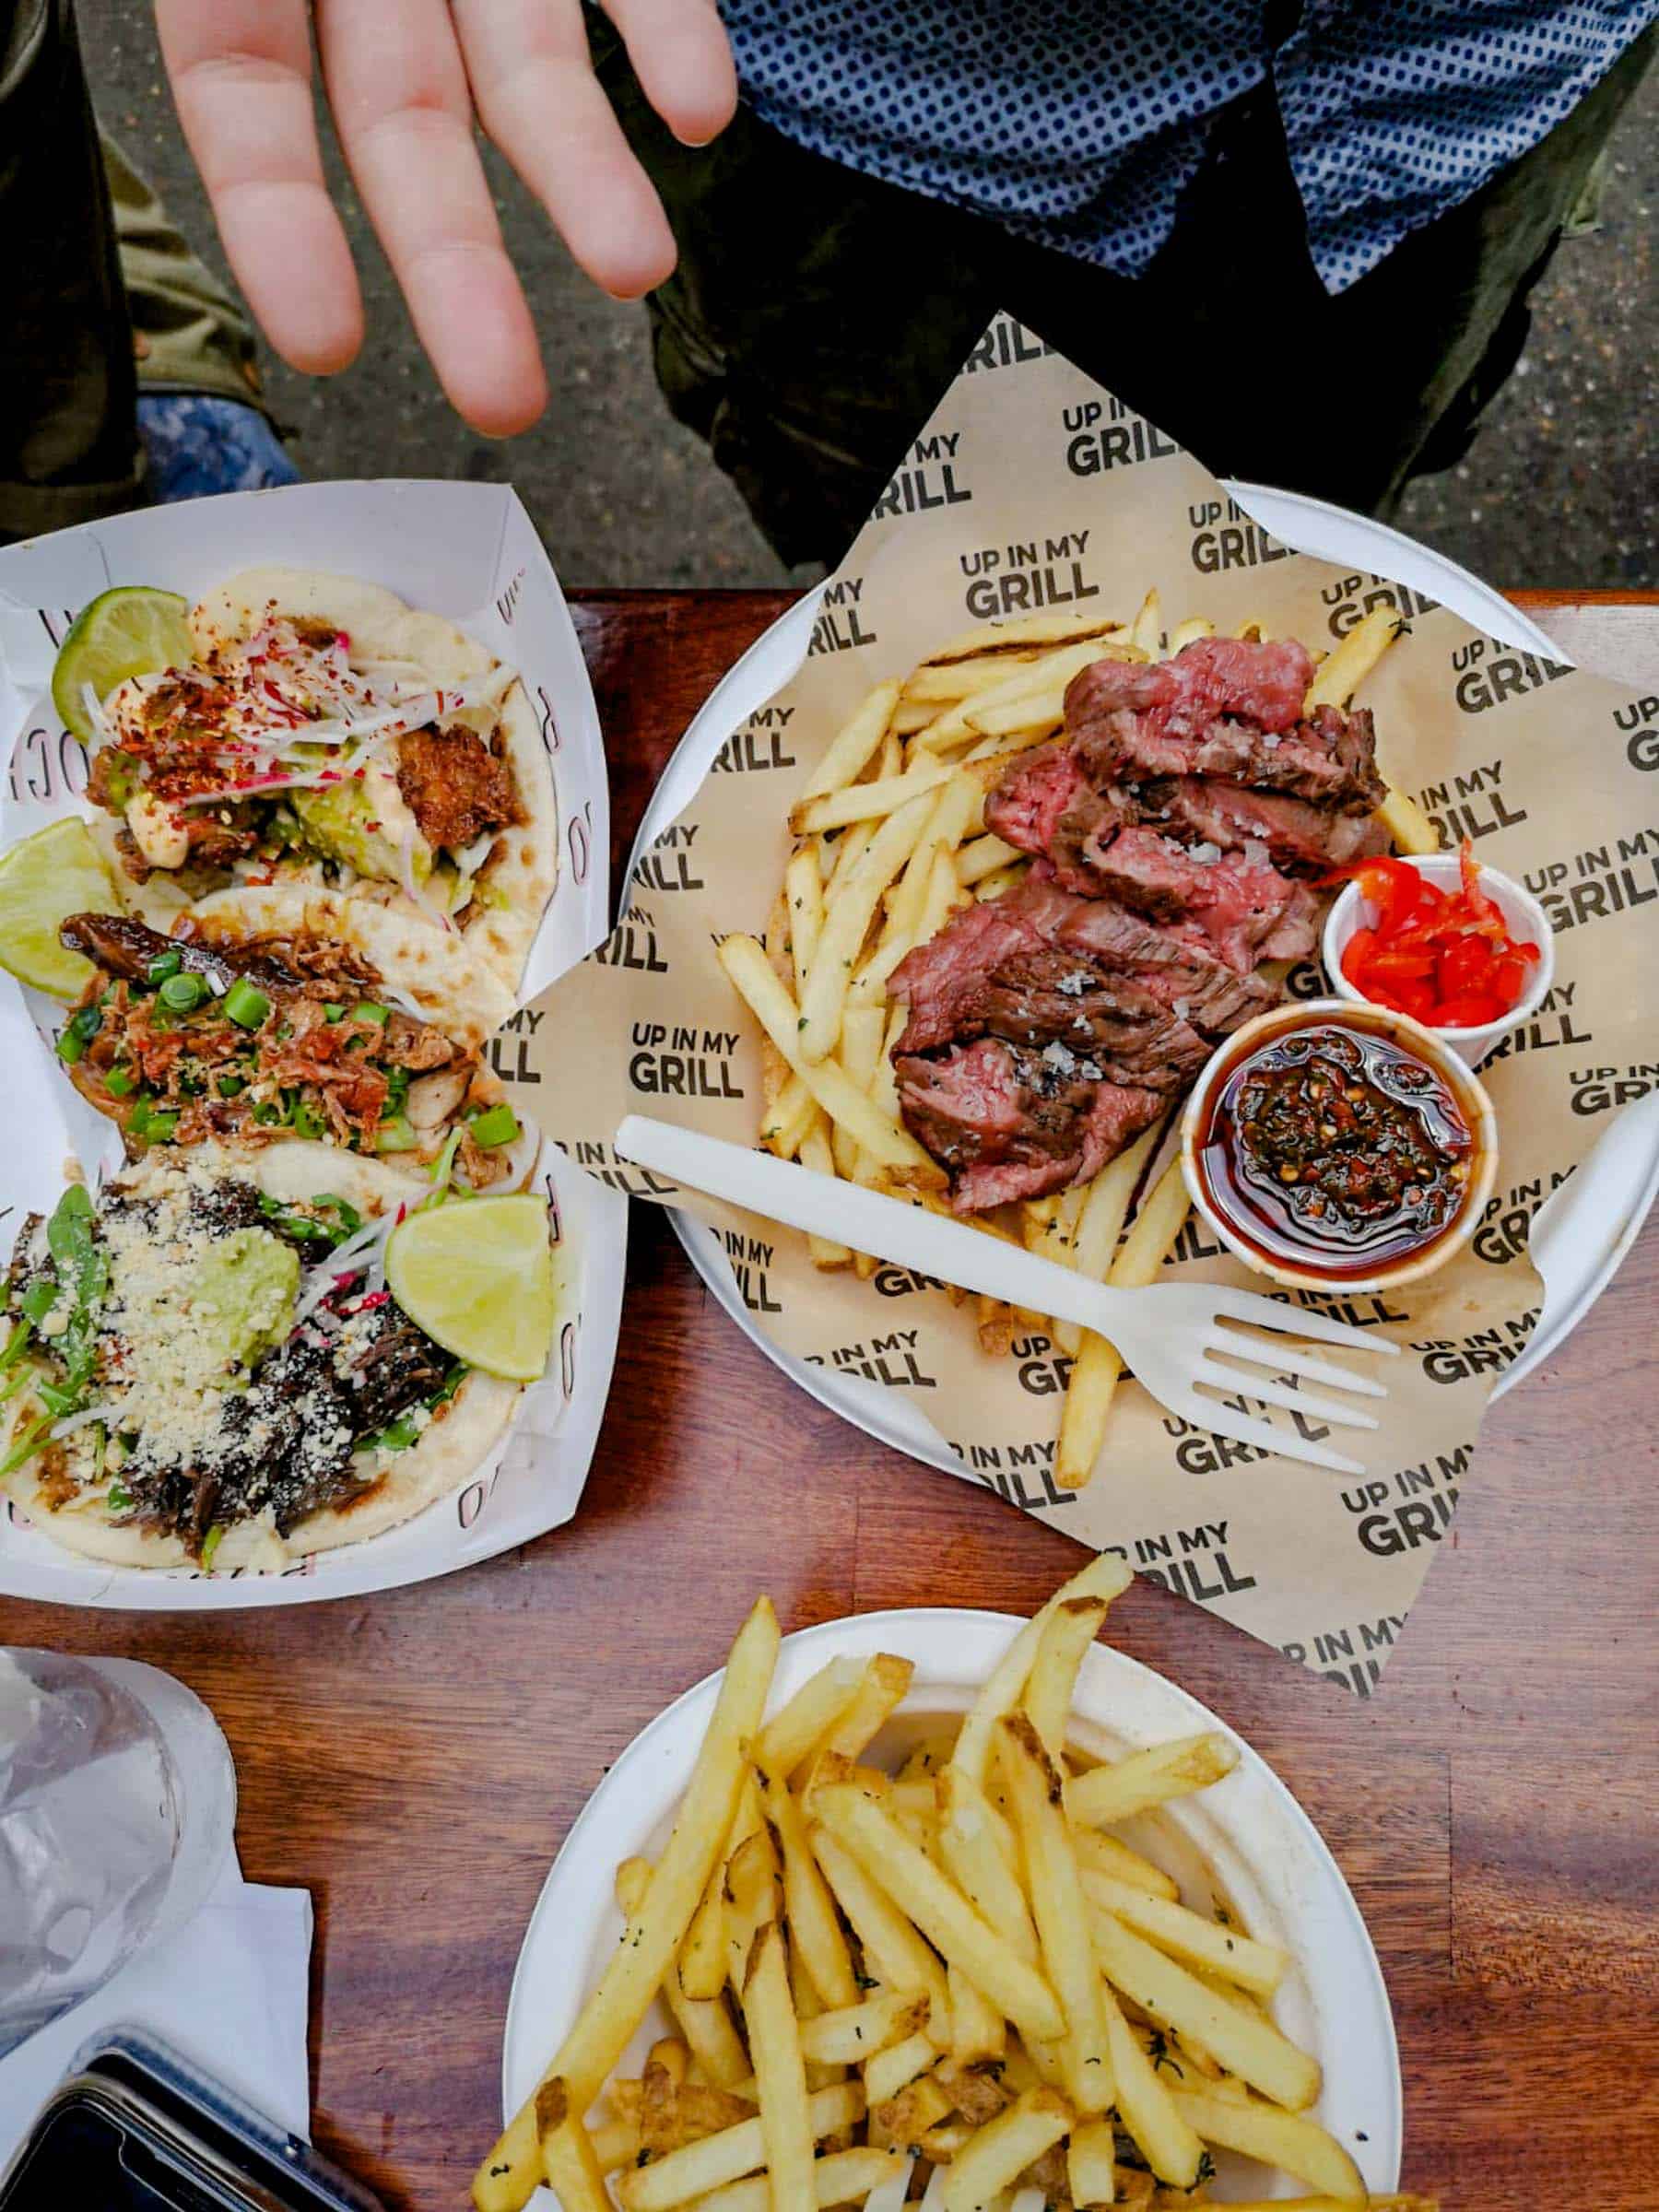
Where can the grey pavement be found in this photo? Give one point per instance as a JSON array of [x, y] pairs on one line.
[[1561, 488]]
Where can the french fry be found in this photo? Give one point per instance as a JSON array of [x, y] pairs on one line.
[[996, 1326], [753, 1881], [907, 2117], [790, 1118], [893, 1147], [789, 1736], [814, 1930], [1245, 2044], [1185, 633], [862, 1029], [1002, 2149], [1406, 823], [713, 2161], [1146, 629], [1090, 2164], [1094, 1376], [980, 1864], [602, 2029], [1105, 1854], [984, 856], [1254, 630], [840, 2177], [942, 685], [702, 1960], [1300, 2146], [704, 2022], [910, 716], [781, 2073], [1223, 1951], [851, 749], [1108, 1794], [818, 1152], [1105, 1577], [1342, 671], [848, 910], [1048, 1692], [1001, 880], [1008, 705], [568, 2161], [803, 896], [1145, 2107], [891, 1947], [862, 802], [977, 2029], [1030, 630], [615, 2143], [886, 2071], [885, 1679], [1056, 1898], [853, 2034], [939, 1910]]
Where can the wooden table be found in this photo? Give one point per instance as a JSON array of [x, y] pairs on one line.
[[414, 1758]]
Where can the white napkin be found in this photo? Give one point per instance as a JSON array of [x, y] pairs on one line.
[[228, 1992]]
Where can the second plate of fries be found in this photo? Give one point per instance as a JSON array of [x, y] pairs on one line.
[[942, 1907]]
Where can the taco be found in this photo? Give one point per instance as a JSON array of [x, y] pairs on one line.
[[325, 734], [205, 1368], [279, 1013]]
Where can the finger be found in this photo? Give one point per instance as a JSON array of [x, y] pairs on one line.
[[398, 91], [683, 60], [241, 74], [538, 98]]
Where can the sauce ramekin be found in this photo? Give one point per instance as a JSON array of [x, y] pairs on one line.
[[1459, 1078]]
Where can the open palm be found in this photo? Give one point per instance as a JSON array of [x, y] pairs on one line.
[[406, 80]]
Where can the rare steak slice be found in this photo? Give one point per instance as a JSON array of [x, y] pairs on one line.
[[1009, 1122], [1297, 836], [1227, 707]]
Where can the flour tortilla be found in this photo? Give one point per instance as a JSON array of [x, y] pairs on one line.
[[439, 974], [518, 876], [445, 1457]]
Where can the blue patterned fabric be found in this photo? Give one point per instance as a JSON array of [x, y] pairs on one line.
[[196, 444], [1077, 123]]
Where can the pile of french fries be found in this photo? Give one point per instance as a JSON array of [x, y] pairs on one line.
[[890, 840], [951, 1985]]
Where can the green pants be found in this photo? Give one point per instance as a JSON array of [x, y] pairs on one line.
[[817, 315], [102, 293]]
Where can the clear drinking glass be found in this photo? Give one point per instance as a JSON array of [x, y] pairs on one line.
[[117, 1813]]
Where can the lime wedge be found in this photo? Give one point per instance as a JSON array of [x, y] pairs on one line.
[[42, 877], [478, 1277], [132, 631]]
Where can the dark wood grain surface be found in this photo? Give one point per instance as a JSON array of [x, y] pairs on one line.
[[414, 1758]]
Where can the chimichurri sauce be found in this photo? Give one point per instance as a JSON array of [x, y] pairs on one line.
[[1336, 1150]]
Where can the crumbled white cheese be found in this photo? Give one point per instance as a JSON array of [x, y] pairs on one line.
[[1059, 1056], [1206, 853], [1074, 985]]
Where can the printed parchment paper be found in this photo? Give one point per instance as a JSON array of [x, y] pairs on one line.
[[1032, 488]]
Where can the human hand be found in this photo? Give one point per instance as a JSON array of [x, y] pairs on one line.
[[405, 79]]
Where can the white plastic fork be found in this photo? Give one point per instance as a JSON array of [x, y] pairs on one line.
[[1170, 1334]]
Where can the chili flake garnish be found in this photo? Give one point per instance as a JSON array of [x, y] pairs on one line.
[[1445, 957]]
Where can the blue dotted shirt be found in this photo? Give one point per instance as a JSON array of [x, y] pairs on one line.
[[1077, 122]]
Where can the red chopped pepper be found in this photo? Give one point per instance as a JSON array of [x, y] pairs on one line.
[[1445, 957]]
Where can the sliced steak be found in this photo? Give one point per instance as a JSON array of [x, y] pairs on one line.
[[1296, 836], [1012, 1123], [1218, 714], [1237, 903], [1036, 790]]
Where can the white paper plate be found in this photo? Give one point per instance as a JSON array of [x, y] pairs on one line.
[[1579, 1236], [1245, 1840], [469, 551]]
